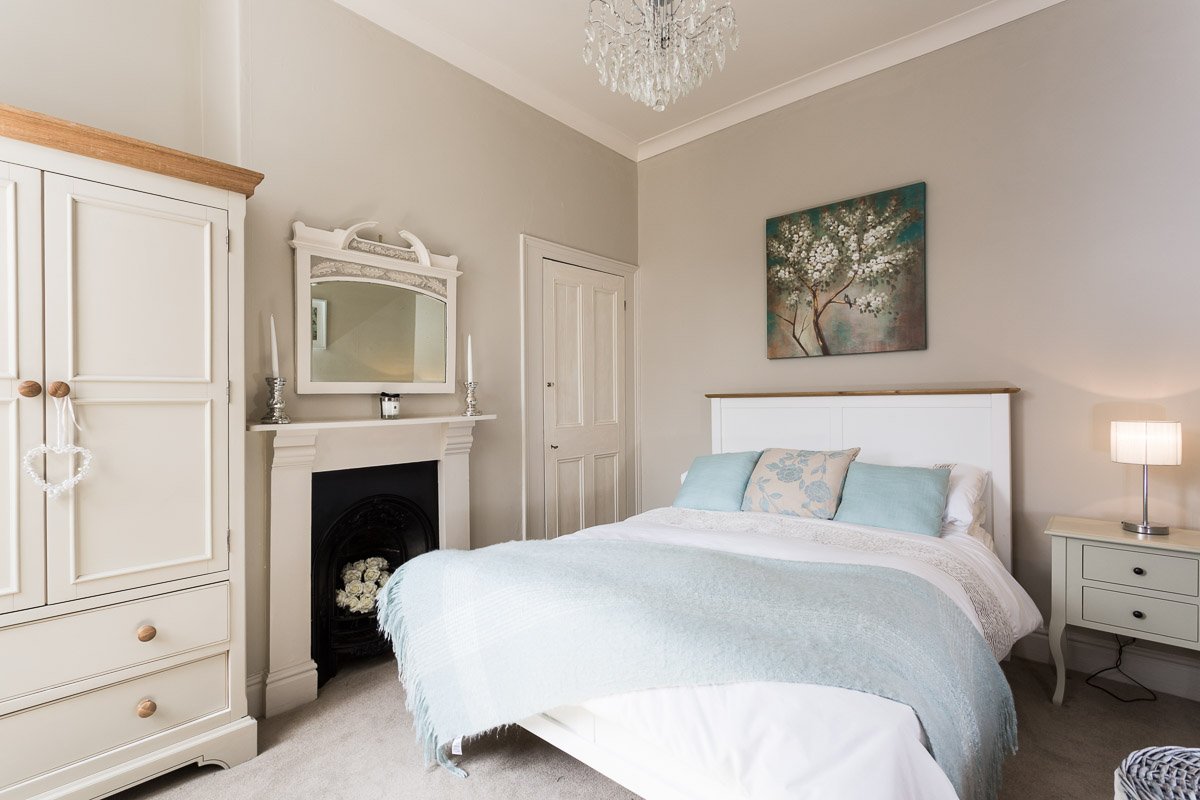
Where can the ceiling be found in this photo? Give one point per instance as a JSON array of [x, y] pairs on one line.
[[790, 49]]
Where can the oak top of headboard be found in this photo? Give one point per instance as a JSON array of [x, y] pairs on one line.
[[866, 392]]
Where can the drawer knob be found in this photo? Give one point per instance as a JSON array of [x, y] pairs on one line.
[[146, 708], [146, 633], [1139, 615], [1139, 571]]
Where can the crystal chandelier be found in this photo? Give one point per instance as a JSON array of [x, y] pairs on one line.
[[656, 51]]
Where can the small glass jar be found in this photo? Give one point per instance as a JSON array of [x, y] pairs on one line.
[[389, 406]]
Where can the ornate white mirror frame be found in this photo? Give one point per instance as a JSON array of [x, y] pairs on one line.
[[341, 255]]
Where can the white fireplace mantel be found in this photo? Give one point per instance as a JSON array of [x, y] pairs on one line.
[[299, 450]]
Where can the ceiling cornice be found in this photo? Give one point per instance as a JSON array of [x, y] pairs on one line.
[[935, 37], [395, 18]]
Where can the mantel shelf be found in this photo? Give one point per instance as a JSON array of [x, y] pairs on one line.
[[368, 423]]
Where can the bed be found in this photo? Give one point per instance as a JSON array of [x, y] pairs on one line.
[[744, 740], [478, 631]]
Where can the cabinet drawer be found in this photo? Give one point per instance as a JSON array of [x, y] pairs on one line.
[[45, 737], [1177, 574], [1138, 613], [59, 650]]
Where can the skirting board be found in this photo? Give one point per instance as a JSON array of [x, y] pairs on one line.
[[256, 701], [1086, 651]]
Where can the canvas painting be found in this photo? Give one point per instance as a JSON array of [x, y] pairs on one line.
[[848, 277]]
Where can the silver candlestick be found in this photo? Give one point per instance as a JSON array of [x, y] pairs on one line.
[[275, 415], [472, 410]]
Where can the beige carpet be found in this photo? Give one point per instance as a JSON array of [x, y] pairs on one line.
[[355, 742]]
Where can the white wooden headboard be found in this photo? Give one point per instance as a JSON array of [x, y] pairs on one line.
[[892, 427]]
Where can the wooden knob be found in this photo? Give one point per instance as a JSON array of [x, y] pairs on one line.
[[29, 389], [146, 708], [60, 389], [146, 633]]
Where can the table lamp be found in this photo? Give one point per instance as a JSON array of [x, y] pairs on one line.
[[1147, 443]]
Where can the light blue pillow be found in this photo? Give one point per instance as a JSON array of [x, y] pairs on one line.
[[911, 499], [717, 482]]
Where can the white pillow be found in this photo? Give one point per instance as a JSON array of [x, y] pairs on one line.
[[965, 502]]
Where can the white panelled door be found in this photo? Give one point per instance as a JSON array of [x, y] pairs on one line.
[[136, 306], [584, 364], [22, 554]]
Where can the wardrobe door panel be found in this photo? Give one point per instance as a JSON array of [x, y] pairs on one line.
[[136, 324], [22, 545]]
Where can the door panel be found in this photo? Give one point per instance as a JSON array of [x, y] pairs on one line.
[[605, 488], [176, 497], [568, 353], [570, 491], [136, 309], [109, 323], [584, 347], [606, 329], [22, 546]]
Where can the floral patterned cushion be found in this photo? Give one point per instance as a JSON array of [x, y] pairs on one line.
[[800, 483]]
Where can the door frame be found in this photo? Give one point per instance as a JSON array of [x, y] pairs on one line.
[[533, 479]]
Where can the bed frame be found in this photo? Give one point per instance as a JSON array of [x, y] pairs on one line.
[[896, 426]]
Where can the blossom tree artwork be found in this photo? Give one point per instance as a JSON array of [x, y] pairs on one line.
[[848, 277]]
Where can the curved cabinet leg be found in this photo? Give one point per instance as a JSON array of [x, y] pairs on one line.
[[1058, 613], [1058, 630]]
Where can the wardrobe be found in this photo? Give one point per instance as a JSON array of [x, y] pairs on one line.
[[122, 549]]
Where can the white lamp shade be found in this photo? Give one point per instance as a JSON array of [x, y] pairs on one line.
[[1155, 443]]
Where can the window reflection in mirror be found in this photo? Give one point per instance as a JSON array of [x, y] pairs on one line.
[[365, 331]]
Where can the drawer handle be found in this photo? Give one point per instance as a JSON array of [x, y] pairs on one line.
[[146, 633], [146, 708], [1139, 615], [1139, 571]]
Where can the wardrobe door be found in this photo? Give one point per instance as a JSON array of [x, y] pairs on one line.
[[136, 324], [22, 525]]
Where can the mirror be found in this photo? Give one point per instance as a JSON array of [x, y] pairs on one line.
[[375, 332], [380, 317]]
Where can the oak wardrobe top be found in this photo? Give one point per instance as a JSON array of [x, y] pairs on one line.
[[72, 137]]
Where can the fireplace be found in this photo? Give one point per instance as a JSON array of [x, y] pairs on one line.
[[300, 454], [365, 523]]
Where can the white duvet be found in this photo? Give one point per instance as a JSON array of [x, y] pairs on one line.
[[779, 740]]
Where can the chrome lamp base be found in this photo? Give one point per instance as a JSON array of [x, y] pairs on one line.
[[1146, 528]]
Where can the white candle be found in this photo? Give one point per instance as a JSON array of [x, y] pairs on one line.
[[274, 350], [470, 362]]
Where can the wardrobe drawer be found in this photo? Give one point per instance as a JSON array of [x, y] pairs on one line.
[[1177, 574], [1137, 613], [53, 735], [63, 649]]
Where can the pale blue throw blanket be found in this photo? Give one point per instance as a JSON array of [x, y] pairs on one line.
[[489, 637]]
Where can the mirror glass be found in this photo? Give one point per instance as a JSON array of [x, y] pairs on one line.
[[364, 331]]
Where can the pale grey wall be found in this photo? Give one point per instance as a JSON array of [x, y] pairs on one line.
[[1060, 155], [350, 122], [130, 66]]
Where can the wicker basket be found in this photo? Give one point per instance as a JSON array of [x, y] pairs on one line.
[[1159, 773]]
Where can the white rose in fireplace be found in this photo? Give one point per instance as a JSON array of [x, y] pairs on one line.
[[362, 581]]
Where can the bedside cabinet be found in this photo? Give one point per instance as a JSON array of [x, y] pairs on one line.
[[1106, 579]]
